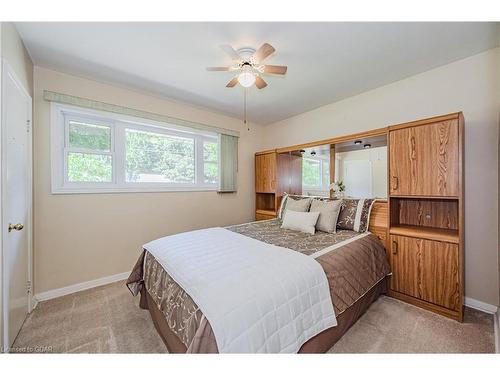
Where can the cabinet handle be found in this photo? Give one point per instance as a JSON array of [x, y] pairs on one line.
[[394, 247], [395, 183]]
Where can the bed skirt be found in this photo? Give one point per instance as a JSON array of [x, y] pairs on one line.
[[318, 344]]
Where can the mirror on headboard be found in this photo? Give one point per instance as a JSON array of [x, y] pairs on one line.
[[316, 171], [361, 165]]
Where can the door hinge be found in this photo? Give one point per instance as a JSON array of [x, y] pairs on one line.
[[28, 126], [28, 287]]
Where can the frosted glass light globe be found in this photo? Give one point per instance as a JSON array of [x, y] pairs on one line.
[[246, 79]]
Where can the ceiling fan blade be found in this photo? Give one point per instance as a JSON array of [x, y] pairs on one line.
[[275, 69], [219, 69], [230, 51], [232, 82], [263, 53], [260, 83]]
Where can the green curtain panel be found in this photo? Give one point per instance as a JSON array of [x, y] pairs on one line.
[[228, 163]]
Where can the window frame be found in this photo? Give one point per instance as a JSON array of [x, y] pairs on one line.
[[322, 167], [61, 114]]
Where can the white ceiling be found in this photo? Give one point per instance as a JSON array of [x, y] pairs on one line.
[[326, 61]]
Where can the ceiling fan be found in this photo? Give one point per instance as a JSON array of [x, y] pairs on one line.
[[248, 65]]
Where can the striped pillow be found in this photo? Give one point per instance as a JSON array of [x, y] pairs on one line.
[[355, 214]]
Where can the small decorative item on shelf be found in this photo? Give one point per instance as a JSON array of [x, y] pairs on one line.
[[338, 188]]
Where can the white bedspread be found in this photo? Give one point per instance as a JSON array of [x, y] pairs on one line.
[[258, 298]]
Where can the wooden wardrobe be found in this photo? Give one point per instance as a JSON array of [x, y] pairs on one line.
[[275, 174], [426, 247], [424, 230]]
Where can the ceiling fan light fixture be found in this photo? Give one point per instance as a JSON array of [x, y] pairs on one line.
[[247, 63], [246, 79]]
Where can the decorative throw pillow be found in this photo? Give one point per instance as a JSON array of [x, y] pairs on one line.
[[355, 214], [328, 214], [293, 202], [301, 221]]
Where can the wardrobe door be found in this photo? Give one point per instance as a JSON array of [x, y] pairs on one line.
[[439, 264], [404, 257], [265, 173], [424, 160], [426, 269]]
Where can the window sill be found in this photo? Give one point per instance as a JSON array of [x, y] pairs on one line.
[[112, 190]]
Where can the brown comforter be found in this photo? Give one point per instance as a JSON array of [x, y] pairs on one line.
[[353, 264]]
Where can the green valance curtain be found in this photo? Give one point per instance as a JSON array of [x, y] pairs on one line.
[[101, 106]]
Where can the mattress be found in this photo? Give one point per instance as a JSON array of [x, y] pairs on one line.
[[353, 263]]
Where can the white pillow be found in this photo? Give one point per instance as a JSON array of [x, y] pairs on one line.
[[301, 221]]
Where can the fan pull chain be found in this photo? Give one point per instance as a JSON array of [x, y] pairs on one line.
[[245, 109]]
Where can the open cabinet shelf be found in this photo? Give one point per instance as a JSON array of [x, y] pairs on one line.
[[429, 218], [265, 202], [265, 212], [428, 233]]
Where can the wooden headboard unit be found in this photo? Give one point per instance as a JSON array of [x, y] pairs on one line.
[[379, 220], [421, 223]]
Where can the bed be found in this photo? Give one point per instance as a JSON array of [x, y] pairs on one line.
[[355, 265]]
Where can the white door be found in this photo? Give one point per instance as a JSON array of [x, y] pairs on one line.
[[358, 178], [16, 203]]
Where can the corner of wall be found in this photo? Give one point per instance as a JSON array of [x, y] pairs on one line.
[[16, 54]]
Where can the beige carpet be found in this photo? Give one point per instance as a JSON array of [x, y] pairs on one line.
[[108, 320], [392, 326]]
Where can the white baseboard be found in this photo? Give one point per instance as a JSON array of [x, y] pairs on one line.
[[481, 306], [44, 296]]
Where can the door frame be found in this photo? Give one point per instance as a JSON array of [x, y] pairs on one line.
[[7, 71]]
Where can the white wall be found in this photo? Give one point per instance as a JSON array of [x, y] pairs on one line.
[[471, 85], [82, 237]]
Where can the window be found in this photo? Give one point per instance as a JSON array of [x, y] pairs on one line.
[[315, 173], [88, 154], [153, 157], [96, 151], [210, 162]]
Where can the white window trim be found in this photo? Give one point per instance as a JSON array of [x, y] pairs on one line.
[[118, 123], [321, 171]]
